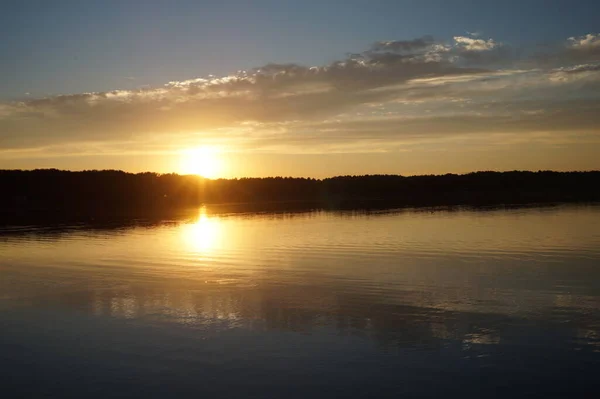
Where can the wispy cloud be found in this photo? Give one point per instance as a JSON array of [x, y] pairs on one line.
[[391, 93]]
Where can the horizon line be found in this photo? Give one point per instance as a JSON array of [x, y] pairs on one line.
[[300, 177]]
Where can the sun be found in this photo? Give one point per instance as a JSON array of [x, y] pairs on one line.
[[203, 161]]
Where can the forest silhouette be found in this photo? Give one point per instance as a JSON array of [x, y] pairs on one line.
[[94, 192]]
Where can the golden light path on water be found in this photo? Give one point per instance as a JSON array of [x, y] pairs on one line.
[[204, 234]]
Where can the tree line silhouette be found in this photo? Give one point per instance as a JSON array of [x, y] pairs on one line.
[[105, 191]]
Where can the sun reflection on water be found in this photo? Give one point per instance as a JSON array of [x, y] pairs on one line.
[[204, 234]]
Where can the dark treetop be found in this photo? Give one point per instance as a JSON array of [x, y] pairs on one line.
[[51, 191]]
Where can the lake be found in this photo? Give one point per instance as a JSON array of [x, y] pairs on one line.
[[414, 303]]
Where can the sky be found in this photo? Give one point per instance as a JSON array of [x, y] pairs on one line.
[[302, 88]]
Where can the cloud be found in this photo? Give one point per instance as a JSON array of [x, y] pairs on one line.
[[393, 91], [476, 51], [583, 48], [471, 44], [587, 42], [574, 50], [407, 46], [579, 68]]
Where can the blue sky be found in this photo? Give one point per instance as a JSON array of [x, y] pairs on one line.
[[311, 88], [61, 47]]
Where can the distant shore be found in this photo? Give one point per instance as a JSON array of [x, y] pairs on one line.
[[51, 193]]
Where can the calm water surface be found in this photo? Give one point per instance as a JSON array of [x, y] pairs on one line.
[[320, 304]]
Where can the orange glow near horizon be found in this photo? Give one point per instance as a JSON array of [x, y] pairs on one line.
[[202, 161]]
